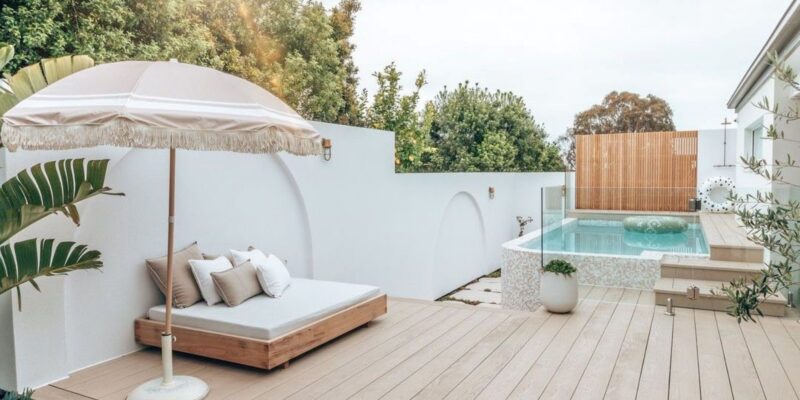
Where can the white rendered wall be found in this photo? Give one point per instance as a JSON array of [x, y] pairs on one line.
[[712, 157], [749, 116], [349, 219]]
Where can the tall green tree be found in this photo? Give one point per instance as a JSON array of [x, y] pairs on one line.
[[619, 112], [394, 111], [469, 115], [295, 48]]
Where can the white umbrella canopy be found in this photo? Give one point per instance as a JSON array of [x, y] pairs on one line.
[[159, 105]]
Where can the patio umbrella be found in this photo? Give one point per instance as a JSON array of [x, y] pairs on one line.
[[159, 105]]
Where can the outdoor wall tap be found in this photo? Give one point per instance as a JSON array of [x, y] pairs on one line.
[[326, 149]]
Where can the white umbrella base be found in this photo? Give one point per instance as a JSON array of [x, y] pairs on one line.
[[181, 388]]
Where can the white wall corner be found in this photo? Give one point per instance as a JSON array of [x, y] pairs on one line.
[[40, 345]]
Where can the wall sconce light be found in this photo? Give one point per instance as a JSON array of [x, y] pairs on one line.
[[491, 192], [326, 149]]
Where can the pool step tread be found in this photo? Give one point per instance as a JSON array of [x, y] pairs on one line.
[[727, 240], [708, 269], [675, 288], [722, 230], [707, 263]]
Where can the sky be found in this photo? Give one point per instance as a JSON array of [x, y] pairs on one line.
[[564, 56]]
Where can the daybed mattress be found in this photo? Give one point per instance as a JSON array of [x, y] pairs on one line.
[[263, 317]]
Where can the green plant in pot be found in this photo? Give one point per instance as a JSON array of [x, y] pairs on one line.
[[558, 291]]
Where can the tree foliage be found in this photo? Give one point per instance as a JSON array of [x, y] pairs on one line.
[[394, 111], [296, 49], [619, 112], [479, 130], [303, 53], [468, 129]]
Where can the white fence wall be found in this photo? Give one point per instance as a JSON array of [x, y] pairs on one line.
[[349, 219]]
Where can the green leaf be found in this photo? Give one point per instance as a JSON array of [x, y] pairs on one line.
[[45, 189], [6, 54], [34, 258], [36, 77]]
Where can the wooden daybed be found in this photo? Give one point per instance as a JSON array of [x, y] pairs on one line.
[[264, 332]]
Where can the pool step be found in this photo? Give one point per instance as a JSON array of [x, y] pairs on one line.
[[708, 270], [675, 288], [727, 240]]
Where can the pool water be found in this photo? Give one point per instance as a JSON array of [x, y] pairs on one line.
[[609, 237]]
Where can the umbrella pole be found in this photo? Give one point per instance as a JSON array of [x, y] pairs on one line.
[[166, 336], [170, 387]]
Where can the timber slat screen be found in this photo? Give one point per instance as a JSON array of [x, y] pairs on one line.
[[648, 171]]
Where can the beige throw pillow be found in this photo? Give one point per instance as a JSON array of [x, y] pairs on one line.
[[237, 284], [184, 289]]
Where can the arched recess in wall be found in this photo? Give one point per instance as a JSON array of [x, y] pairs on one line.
[[460, 245]]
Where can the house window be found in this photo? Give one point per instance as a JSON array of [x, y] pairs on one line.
[[753, 142]]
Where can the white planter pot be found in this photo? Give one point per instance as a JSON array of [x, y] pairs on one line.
[[558, 293]]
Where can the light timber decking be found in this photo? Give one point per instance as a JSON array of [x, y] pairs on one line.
[[727, 241], [615, 345]]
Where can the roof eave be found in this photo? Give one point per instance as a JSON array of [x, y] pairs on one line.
[[780, 37]]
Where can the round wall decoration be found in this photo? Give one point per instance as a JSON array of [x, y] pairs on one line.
[[715, 192]]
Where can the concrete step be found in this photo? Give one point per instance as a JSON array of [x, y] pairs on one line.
[[708, 270], [675, 288]]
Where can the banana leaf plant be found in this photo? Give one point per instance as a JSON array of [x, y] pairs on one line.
[[55, 187], [44, 189]]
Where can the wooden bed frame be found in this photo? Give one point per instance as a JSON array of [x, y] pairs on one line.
[[264, 354]]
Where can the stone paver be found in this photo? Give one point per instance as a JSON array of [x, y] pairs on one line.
[[490, 280], [490, 305], [477, 295], [483, 286]]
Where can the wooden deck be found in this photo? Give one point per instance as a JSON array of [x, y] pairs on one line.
[[616, 345], [727, 241]]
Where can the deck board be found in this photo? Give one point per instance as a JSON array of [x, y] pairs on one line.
[[721, 230], [615, 345], [710, 358]]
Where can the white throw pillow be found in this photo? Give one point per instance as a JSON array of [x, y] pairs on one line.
[[255, 256], [273, 276], [202, 269]]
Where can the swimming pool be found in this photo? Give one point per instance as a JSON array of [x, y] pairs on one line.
[[609, 237], [604, 253]]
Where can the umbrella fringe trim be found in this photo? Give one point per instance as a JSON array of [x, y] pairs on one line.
[[124, 134]]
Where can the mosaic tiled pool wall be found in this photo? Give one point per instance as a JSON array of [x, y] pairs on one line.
[[521, 273]]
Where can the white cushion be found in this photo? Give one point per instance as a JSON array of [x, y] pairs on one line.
[[202, 269], [254, 256], [272, 275], [266, 318]]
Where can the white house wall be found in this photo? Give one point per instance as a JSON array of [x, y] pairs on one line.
[[748, 116], [712, 156], [349, 219], [789, 130]]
